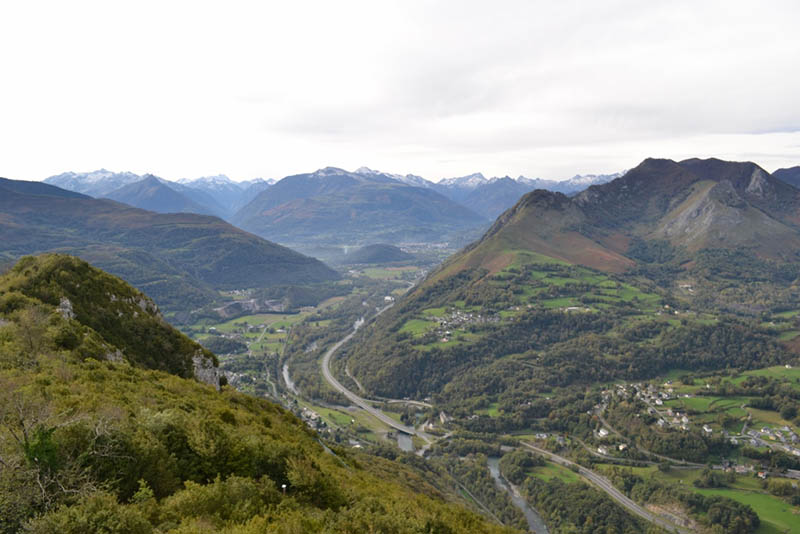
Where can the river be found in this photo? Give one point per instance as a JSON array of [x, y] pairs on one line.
[[535, 522], [289, 383]]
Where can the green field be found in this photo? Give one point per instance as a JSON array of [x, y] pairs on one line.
[[788, 335], [276, 320], [552, 470], [778, 371], [491, 410], [435, 312], [456, 337], [390, 273], [417, 327], [776, 515]]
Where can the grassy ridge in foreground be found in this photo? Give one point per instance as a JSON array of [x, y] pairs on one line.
[[92, 445]]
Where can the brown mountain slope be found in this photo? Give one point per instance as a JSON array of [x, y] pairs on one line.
[[694, 204]]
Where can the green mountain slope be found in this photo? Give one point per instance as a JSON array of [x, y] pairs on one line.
[[180, 259], [95, 304], [154, 195], [672, 266], [89, 444], [332, 206]]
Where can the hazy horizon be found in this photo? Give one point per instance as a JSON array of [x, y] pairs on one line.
[[436, 89]]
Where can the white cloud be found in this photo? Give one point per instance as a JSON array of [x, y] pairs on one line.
[[434, 88]]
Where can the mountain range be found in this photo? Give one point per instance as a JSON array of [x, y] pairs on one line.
[[492, 196], [334, 206], [211, 195], [306, 219], [181, 259], [557, 284]]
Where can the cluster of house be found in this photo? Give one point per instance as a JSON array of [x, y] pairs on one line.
[[784, 438], [312, 419], [238, 292], [655, 397], [458, 319], [604, 450], [242, 328], [603, 433]]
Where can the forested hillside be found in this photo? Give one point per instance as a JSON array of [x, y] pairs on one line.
[[94, 443], [672, 266], [180, 260]]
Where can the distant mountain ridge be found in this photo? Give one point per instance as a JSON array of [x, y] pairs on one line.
[[492, 196], [789, 175], [219, 195], [95, 184], [153, 194], [693, 203], [334, 206], [210, 195], [181, 259]]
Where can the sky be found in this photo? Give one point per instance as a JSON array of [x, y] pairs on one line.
[[433, 88]]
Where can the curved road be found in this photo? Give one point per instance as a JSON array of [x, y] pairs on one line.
[[358, 401], [603, 483]]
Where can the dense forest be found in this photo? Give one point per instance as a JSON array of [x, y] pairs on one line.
[[515, 346]]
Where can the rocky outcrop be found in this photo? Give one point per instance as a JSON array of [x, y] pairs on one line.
[[204, 370], [65, 308], [759, 184]]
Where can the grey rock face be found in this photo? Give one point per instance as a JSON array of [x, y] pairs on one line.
[[205, 371], [65, 308]]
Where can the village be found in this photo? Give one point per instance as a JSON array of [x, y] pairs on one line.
[[459, 320], [661, 403]]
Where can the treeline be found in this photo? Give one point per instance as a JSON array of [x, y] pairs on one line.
[[224, 345], [768, 393], [572, 507], [715, 511], [473, 473]]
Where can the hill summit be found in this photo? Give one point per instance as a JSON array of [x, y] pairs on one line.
[[693, 204], [102, 316], [334, 206]]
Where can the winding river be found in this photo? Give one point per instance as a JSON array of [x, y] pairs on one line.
[[535, 522]]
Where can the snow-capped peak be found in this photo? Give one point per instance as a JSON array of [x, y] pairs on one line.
[[469, 181], [409, 179], [367, 171], [329, 171], [219, 179], [592, 179], [257, 181]]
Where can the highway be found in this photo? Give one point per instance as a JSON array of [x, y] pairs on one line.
[[603, 483], [359, 401], [596, 479]]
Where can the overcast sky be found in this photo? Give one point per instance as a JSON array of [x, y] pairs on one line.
[[439, 89]]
